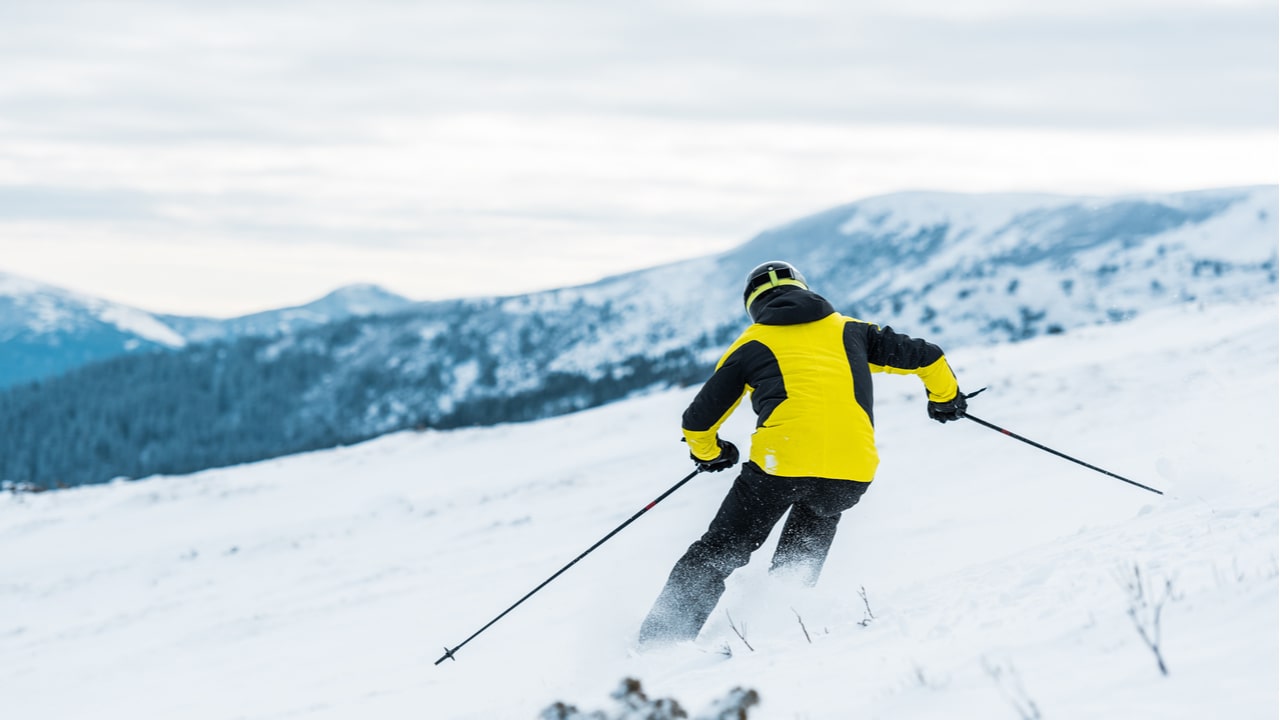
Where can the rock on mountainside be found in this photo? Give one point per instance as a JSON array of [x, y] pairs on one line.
[[957, 269]]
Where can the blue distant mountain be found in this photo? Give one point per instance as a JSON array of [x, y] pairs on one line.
[[345, 302], [956, 269], [46, 331]]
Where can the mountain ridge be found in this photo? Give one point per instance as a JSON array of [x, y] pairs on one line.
[[955, 269], [47, 330], [358, 299]]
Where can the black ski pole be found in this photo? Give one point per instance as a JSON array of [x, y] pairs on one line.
[[1064, 456], [449, 653]]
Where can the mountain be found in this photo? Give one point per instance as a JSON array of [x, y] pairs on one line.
[[46, 331], [996, 268], [996, 577], [345, 302], [957, 269]]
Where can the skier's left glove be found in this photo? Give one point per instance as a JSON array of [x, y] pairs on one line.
[[952, 409], [727, 458]]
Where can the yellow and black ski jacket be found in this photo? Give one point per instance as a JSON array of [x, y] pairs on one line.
[[808, 369]]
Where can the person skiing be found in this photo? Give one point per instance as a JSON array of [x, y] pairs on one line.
[[808, 369]]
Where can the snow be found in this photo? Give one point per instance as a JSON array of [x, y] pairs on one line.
[[51, 309], [904, 212], [326, 585], [137, 323], [15, 285]]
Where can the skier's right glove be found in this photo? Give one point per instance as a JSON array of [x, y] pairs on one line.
[[727, 458]]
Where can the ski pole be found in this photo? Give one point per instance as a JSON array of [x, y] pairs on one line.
[[1064, 456], [449, 653]]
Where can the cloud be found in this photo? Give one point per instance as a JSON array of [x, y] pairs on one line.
[[72, 204], [624, 134], [288, 69]]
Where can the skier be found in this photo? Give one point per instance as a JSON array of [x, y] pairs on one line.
[[808, 369]]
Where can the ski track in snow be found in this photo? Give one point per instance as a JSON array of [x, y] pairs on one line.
[[325, 585]]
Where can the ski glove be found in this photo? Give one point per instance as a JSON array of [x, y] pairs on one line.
[[952, 409], [727, 458]]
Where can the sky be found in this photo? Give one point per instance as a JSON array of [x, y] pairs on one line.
[[223, 158]]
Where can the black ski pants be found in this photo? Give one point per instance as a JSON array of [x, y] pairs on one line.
[[753, 506]]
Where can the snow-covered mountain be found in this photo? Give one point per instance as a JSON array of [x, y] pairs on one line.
[[961, 270], [958, 269], [345, 302], [997, 577], [1012, 267], [46, 330]]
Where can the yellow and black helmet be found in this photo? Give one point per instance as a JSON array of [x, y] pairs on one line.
[[767, 276]]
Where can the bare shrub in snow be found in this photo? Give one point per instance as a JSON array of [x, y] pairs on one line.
[[740, 633], [866, 620], [1145, 607], [1006, 679], [803, 629], [631, 703], [920, 678]]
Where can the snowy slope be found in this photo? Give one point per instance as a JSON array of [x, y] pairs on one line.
[[325, 585]]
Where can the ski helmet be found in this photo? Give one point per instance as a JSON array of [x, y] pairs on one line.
[[767, 276]]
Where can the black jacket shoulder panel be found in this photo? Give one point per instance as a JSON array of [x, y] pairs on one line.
[[752, 365], [855, 346]]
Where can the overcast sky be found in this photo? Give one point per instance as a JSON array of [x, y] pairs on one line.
[[223, 157]]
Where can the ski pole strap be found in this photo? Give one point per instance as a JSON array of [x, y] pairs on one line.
[[1051, 451]]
